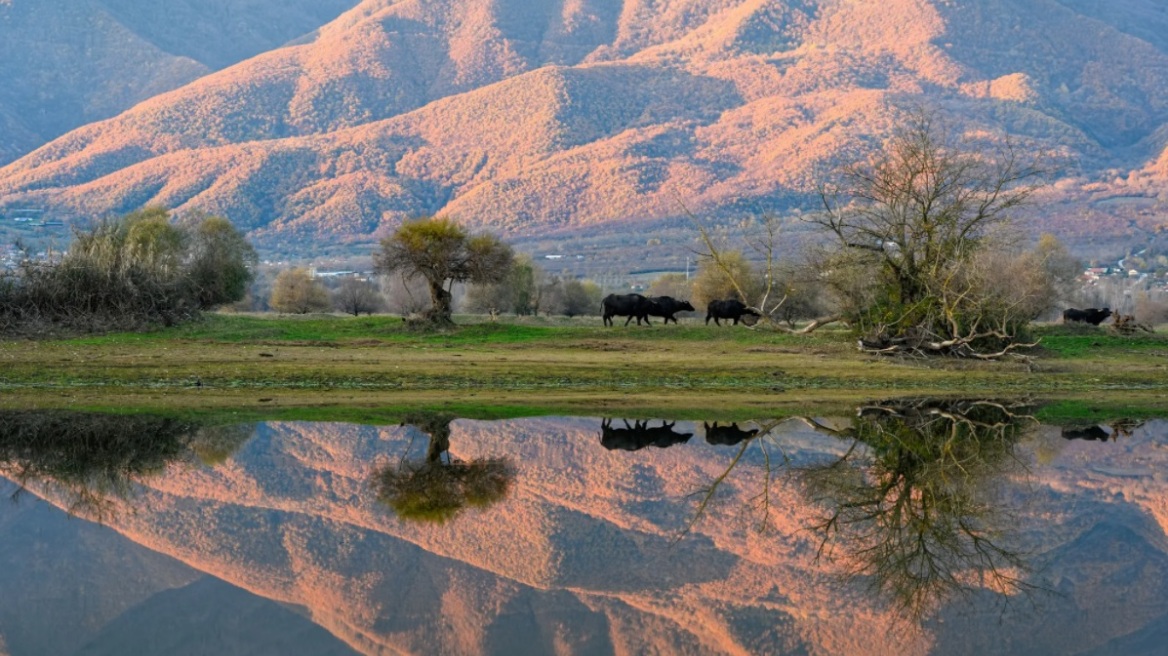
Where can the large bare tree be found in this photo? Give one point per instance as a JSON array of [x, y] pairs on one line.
[[907, 224], [442, 253]]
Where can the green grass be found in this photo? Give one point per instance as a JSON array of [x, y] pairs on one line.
[[1079, 344], [323, 366], [337, 330]]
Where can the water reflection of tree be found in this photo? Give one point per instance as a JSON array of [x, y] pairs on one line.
[[97, 458], [437, 489], [909, 504]]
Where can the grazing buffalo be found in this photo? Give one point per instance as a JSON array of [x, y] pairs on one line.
[[667, 306], [729, 309], [639, 436], [1097, 433], [728, 435], [1090, 315], [627, 305]]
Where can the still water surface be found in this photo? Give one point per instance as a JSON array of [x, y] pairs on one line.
[[909, 528]]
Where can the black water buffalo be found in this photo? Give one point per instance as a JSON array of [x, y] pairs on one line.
[[1096, 433], [667, 306], [639, 436], [728, 435], [627, 305], [1090, 315], [728, 309]]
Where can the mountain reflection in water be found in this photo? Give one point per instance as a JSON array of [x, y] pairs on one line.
[[575, 549]]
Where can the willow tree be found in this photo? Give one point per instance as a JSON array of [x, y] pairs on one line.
[[442, 253]]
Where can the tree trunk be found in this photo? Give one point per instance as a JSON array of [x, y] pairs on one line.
[[440, 298]]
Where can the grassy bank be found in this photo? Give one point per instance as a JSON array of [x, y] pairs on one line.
[[276, 366]]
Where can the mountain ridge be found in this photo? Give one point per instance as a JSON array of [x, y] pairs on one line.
[[531, 116], [70, 62]]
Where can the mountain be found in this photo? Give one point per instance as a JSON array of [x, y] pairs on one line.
[[72, 62], [572, 561], [536, 116]]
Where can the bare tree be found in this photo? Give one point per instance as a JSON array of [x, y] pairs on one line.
[[580, 298], [908, 222], [516, 292], [674, 285], [440, 252], [725, 273], [403, 295], [356, 296]]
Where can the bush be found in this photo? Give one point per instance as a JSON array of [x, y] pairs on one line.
[[129, 273], [297, 292]]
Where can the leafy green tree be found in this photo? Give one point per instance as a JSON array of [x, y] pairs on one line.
[[442, 253], [123, 273], [220, 261], [94, 459]]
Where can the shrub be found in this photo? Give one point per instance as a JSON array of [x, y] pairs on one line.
[[129, 273]]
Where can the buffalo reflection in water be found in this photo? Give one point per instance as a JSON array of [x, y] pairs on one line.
[[909, 505], [437, 489], [640, 435], [728, 435], [95, 459], [1117, 429]]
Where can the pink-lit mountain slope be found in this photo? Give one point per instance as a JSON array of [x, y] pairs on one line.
[[530, 116], [64, 63]]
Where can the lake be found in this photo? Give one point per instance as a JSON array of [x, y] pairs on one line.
[[910, 527]]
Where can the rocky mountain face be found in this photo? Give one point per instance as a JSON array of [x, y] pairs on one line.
[[532, 116], [583, 555], [71, 62]]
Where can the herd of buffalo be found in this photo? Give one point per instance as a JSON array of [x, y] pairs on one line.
[[1092, 316], [635, 306]]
